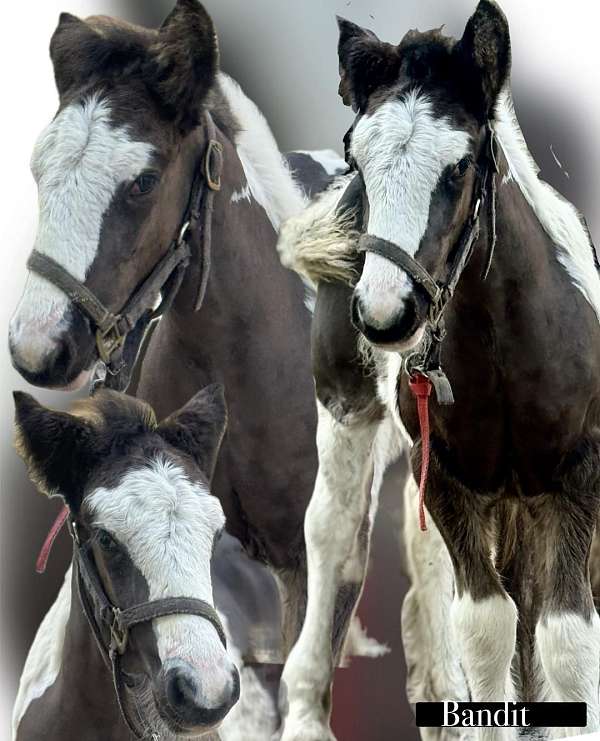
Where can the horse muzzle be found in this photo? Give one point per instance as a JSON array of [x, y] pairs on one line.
[[59, 356], [387, 307], [188, 704]]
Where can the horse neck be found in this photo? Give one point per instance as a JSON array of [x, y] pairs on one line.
[[85, 684], [524, 259], [246, 281]]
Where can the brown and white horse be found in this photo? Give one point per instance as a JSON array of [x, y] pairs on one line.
[[115, 170], [501, 606], [145, 525]]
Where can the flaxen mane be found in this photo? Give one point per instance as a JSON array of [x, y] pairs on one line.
[[319, 244]]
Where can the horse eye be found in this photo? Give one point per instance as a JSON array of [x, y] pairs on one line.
[[145, 183], [462, 167], [106, 541]]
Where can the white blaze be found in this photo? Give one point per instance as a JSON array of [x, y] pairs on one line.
[[168, 526], [78, 162], [402, 150]]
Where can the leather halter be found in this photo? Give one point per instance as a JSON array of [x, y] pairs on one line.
[[113, 330], [111, 626], [427, 361]]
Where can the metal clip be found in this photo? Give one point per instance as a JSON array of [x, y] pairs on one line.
[[183, 233], [214, 147], [72, 526], [118, 634], [441, 386]]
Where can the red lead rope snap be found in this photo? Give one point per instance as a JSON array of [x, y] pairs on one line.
[[421, 387], [42, 560]]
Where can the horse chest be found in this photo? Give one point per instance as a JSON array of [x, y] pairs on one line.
[[510, 430]]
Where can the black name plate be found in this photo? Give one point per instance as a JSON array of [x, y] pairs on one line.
[[452, 714]]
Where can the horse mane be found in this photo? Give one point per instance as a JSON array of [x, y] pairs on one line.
[[319, 244], [559, 218], [269, 178]]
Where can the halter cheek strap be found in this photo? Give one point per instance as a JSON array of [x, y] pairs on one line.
[[111, 625]]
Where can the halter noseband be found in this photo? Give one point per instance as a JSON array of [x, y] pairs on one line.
[[113, 330], [111, 626], [427, 362]]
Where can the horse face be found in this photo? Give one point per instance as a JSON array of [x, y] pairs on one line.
[[153, 537], [150, 524], [114, 171], [424, 104]]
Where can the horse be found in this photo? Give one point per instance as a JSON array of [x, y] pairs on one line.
[[159, 177], [138, 600], [459, 297]]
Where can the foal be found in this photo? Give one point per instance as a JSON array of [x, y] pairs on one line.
[[501, 605], [144, 525]]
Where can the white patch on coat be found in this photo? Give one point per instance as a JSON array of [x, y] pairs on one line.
[[243, 194], [329, 160], [78, 162], [485, 634], [168, 526], [402, 150], [45, 655], [267, 173], [559, 218], [569, 652]]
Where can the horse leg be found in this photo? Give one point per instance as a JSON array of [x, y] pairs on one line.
[[293, 588], [433, 666], [483, 617], [568, 630], [336, 567]]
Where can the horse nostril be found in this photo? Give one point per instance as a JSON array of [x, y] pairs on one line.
[[356, 314], [182, 690], [235, 687]]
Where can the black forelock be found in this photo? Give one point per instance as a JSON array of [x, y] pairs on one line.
[[429, 59], [426, 56]]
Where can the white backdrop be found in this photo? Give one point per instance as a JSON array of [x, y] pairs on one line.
[[283, 53]]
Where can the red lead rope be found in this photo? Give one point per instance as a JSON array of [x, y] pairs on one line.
[[42, 560], [421, 387]]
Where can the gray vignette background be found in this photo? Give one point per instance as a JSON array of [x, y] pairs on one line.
[[284, 55]]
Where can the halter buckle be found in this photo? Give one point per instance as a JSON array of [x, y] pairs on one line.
[[214, 149], [119, 635], [109, 340]]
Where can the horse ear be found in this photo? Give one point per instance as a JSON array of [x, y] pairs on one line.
[[184, 61], [486, 55], [198, 428], [57, 448], [366, 63], [73, 51]]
